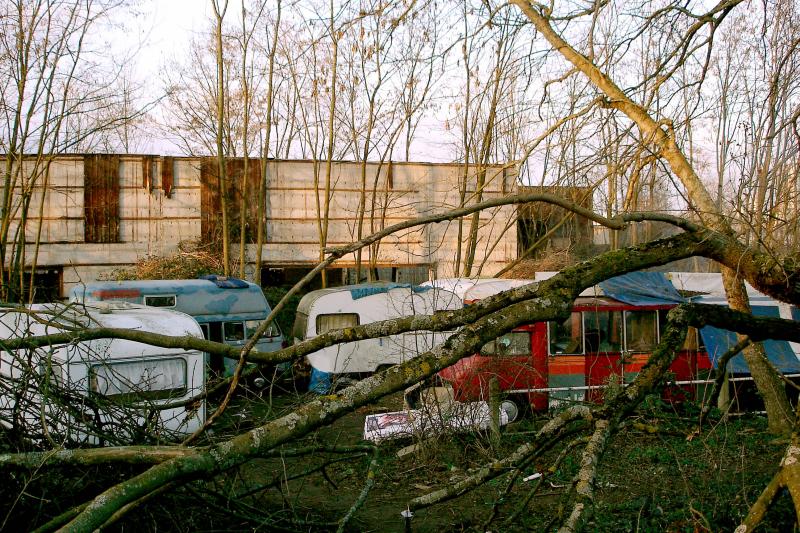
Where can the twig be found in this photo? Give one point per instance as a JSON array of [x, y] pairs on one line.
[[719, 380], [370, 482], [553, 468]]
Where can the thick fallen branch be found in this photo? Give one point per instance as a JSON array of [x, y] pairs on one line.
[[134, 455], [584, 481]]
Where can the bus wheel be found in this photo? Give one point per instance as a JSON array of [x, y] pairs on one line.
[[513, 407]]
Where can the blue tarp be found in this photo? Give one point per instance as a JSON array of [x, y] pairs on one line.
[[364, 290], [320, 381], [719, 341], [642, 288]]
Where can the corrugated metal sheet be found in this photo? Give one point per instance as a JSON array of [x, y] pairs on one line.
[[101, 198]]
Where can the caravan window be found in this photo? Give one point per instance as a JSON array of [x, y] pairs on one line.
[[326, 323], [140, 380], [160, 300], [566, 337]]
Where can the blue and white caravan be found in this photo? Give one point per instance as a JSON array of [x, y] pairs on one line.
[[229, 310], [341, 307], [101, 391]]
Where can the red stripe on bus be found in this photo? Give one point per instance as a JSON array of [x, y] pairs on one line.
[[117, 293]]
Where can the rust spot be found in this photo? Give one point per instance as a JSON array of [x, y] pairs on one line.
[[101, 198], [167, 175]]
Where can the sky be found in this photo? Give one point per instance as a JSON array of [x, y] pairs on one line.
[[165, 28]]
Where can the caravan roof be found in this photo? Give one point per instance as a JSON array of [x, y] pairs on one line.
[[372, 302], [196, 297], [53, 318]]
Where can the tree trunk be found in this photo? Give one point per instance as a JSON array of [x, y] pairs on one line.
[[661, 136]]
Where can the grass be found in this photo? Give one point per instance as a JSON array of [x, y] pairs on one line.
[[663, 481]]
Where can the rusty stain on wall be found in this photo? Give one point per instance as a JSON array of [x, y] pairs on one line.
[[211, 204], [147, 173], [167, 175], [101, 198]]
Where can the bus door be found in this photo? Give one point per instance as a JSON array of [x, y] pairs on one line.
[[566, 362], [517, 360], [641, 338], [602, 340], [690, 363]]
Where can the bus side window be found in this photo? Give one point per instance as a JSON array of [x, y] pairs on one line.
[[641, 331], [233, 331], [204, 327], [565, 337], [516, 343], [603, 331]]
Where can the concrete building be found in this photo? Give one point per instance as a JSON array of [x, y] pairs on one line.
[[102, 212]]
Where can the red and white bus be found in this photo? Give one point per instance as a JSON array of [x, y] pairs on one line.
[[604, 342], [607, 339]]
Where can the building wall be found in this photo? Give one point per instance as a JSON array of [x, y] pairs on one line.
[[160, 206]]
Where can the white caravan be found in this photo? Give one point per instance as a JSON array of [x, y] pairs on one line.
[[328, 309], [103, 391]]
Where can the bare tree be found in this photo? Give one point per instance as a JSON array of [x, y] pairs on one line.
[[55, 98], [661, 134], [268, 112], [219, 15]]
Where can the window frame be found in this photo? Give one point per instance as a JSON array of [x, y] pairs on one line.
[[321, 316], [139, 396], [174, 297]]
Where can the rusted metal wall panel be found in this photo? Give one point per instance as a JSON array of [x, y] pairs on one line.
[[167, 175], [236, 195], [101, 198], [210, 205]]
